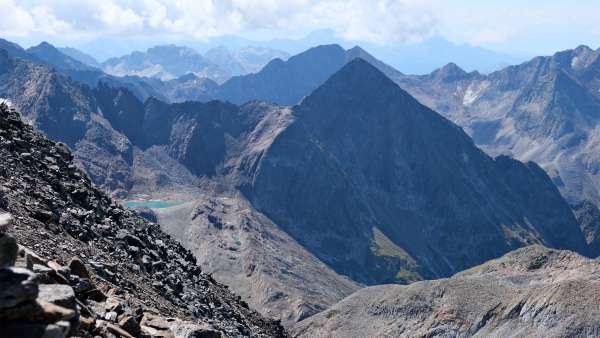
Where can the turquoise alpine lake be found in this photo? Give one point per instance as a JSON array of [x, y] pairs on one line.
[[152, 204]]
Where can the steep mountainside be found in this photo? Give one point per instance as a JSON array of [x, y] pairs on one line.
[[383, 189], [532, 292], [546, 110], [68, 112], [60, 214]]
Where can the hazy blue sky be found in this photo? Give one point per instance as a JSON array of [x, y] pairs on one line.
[[529, 27]]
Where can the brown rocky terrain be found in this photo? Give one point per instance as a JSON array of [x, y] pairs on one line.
[[531, 292]]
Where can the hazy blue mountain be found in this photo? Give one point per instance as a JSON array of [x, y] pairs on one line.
[[287, 82], [245, 60], [222, 57], [411, 58], [165, 63], [80, 56], [51, 55], [14, 49]]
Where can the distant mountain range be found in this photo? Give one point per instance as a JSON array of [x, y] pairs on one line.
[[410, 57], [170, 62]]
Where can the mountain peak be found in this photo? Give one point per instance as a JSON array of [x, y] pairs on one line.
[[43, 47], [450, 72], [358, 81]]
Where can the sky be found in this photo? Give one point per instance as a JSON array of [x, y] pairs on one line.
[[532, 27]]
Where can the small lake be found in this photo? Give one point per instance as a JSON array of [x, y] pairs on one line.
[[152, 204]]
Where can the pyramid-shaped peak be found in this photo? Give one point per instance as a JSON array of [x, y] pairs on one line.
[[358, 81]]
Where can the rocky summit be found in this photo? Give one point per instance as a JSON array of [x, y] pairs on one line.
[[74, 262], [532, 292]]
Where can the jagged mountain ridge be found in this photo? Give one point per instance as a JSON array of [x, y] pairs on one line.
[[546, 110]]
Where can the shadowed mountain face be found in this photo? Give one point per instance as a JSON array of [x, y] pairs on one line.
[[365, 176]]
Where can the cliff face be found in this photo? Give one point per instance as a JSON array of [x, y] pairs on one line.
[[60, 214]]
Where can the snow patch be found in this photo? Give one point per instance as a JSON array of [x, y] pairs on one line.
[[6, 102], [576, 62], [473, 92]]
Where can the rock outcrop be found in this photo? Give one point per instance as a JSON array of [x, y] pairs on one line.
[[531, 292], [121, 269]]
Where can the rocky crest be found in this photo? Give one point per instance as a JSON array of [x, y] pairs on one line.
[[125, 270], [531, 292]]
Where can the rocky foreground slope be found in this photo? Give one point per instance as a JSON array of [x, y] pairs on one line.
[[531, 292], [137, 274]]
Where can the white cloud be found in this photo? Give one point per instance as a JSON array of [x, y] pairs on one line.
[[493, 22], [372, 20]]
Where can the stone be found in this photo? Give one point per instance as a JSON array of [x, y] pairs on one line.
[[8, 251], [111, 316], [6, 221], [58, 294], [129, 324], [114, 329], [78, 268], [95, 294], [54, 313], [193, 330], [17, 285], [37, 311], [32, 258], [63, 270], [57, 330]]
